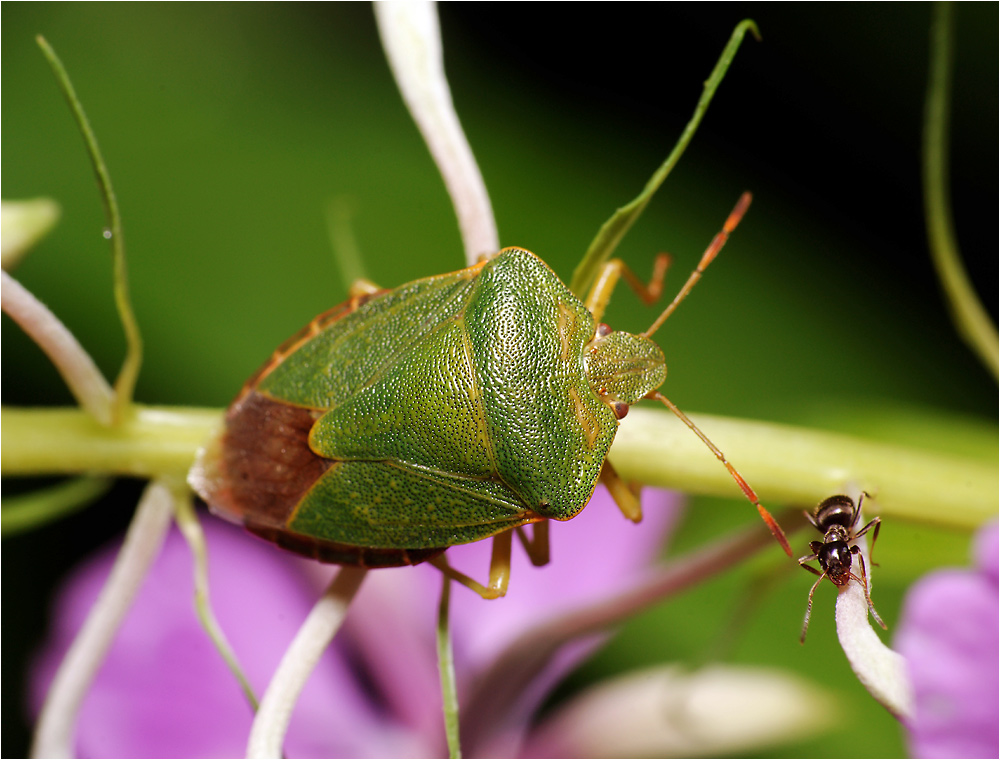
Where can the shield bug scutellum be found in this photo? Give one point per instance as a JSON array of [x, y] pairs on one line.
[[836, 518], [448, 410]]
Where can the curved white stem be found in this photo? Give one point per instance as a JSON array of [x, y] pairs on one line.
[[57, 722], [411, 37], [271, 722], [84, 379]]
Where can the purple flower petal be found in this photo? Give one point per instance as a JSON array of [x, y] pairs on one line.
[[164, 691], [949, 634], [594, 554]]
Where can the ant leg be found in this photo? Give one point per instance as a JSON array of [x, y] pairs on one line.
[[876, 523], [809, 605], [537, 546], [499, 569], [810, 568], [863, 580], [612, 271], [626, 499], [751, 495]]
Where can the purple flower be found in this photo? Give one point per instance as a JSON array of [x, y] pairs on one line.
[[949, 636], [164, 691]]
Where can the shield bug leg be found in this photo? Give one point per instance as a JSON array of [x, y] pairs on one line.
[[499, 569], [612, 271], [626, 499], [537, 547]]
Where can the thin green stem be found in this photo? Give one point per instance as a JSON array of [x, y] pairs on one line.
[[38, 508], [967, 312], [621, 221], [446, 667], [187, 521], [125, 384], [346, 254]]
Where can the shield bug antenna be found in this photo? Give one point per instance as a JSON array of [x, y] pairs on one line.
[[597, 300], [836, 519]]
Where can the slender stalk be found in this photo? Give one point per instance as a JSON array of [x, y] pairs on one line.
[[267, 735], [411, 36], [791, 465], [125, 384], [77, 368], [38, 508], [967, 312], [446, 666], [57, 721], [187, 521]]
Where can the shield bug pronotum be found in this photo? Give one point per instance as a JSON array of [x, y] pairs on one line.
[[448, 410], [836, 519]]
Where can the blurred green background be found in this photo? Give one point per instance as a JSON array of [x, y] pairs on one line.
[[228, 129]]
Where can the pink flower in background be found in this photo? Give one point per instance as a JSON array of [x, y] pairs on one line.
[[165, 692], [949, 634]]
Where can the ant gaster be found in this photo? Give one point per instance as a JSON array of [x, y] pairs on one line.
[[835, 518]]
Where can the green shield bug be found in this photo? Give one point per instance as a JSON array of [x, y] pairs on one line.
[[451, 409]]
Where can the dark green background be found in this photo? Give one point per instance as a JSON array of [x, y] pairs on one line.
[[228, 128]]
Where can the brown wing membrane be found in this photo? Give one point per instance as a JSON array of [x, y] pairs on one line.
[[261, 472]]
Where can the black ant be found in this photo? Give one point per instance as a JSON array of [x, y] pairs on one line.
[[835, 518]]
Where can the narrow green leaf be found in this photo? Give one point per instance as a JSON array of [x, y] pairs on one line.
[[621, 221]]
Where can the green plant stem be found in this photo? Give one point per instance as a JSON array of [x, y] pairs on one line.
[[149, 442], [125, 383], [967, 312], [787, 465], [187, 521], [613, 230], [446, 668], [38, 508], [791, 465]]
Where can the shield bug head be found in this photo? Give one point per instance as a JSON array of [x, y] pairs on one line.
[[836, 518]]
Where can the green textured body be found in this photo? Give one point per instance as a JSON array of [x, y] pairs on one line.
[[442, 412]]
